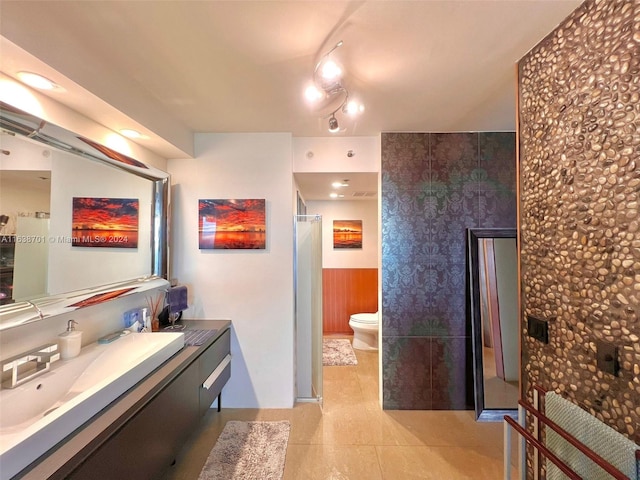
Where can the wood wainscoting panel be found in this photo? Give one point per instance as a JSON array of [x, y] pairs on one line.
[[346, 291]]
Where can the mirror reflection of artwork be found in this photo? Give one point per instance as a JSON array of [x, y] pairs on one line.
[[101, 297], [112, 154], [232, 224], [347, 234], [105, 222]]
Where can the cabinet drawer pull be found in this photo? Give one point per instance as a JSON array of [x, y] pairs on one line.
[[216, 373]]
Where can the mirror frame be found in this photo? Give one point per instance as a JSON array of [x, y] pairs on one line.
[[15, 121], [473, 237]]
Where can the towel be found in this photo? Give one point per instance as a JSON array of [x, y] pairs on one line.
[[177, 299], [611, 445]]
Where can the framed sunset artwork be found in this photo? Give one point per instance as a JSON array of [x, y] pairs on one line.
[[104, 222], [231, 224], [347, 234]]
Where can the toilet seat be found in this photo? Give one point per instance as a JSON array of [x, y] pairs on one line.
[[365, 330], [365, 318]]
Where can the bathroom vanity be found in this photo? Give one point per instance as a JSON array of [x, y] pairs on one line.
[[139, 434]]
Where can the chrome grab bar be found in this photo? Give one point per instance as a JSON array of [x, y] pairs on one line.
[[29, 365]]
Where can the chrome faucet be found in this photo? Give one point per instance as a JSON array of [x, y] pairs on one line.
[[29, 365]]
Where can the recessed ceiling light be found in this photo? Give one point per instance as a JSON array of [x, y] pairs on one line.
[[37, 81], [340, 184], [129, 133], [333, 195]]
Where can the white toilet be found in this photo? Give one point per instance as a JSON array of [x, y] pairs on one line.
[[365, 330]]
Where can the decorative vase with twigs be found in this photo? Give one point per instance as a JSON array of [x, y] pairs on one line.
[[155, 305]]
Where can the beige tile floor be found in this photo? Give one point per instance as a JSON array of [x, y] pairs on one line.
[[352, 438], [497, 392]]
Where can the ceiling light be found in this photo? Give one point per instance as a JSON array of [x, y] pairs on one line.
[[329, 88], [129, 133], [352, 108], [333, 195], [37, 81], [313, 93], [333, 124], [330, 70], [344, 183]]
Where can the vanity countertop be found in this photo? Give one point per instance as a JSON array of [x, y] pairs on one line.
[[96, 431]]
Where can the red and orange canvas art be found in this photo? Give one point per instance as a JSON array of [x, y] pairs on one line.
[[231, 224], [105, 222], [347, 234]]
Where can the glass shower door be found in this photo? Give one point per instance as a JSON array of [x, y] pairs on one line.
[[308, 307]]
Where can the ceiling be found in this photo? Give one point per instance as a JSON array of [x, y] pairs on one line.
[[355, 186], [173, 68], [29, 180]]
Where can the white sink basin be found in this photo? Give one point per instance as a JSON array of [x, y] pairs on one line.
[[40, 413]]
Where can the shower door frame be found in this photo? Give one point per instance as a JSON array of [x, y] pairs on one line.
[[307, 275]]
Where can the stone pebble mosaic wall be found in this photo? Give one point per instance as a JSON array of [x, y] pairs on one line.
[[579, 134]]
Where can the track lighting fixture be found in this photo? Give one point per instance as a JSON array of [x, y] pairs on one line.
[[327, 91]]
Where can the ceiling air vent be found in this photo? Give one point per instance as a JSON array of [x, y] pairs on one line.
[[364, 194]]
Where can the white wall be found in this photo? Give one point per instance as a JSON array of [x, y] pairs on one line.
[[16, 200], [365, 210], [329, 154], [252, 288], [20, 197]]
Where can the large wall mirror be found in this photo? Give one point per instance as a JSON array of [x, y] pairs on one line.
[[79, 222], [493, 293]]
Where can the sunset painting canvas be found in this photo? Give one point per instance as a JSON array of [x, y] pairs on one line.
[[105, 222], [347, 234], [231, 224]]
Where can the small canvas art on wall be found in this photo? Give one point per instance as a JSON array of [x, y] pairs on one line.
[[105, 222], [347, 234], [231, 224]]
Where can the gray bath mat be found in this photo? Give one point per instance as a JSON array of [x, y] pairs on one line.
[[338, 351], [248, 451]]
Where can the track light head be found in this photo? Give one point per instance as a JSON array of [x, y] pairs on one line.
[[333, 124]]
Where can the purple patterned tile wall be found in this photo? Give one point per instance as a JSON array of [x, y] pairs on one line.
[[434, 187]]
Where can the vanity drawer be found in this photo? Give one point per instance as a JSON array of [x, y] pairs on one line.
[[212, 357], [211, 389]]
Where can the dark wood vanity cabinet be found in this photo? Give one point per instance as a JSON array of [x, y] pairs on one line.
[[145, 446], [214, 371]]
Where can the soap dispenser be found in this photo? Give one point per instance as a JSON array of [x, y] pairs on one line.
[[70, 342]]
